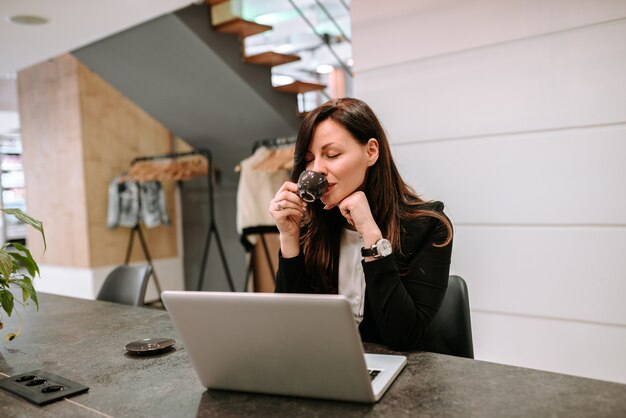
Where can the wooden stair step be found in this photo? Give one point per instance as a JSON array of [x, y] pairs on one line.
[[300, 87], [271, 58], [241, 27]]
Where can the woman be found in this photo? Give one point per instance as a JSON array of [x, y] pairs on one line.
[[370, 237]]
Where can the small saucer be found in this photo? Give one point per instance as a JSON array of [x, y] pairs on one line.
[[149, 345]]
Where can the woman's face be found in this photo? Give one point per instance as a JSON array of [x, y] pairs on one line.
[[335, 153]]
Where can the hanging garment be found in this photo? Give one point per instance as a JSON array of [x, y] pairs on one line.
[[152, 204], [131, 203], [123, 204], [255, 190]]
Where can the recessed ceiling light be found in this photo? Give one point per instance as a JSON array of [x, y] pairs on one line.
[[28, 20]]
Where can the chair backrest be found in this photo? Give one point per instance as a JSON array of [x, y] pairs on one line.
[[126, 284], [452, 327]]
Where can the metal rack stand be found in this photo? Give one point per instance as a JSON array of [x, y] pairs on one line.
[[261, 231], [212, 224]]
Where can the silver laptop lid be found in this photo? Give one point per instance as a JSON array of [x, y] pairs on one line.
[[299, 345]]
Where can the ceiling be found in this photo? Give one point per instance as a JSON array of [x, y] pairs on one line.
[[76, 23], [72, 24]]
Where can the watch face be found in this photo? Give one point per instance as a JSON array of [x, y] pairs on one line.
[[383, 248]]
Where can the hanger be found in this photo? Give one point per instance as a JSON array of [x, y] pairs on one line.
[[280, 158], [181, 168]]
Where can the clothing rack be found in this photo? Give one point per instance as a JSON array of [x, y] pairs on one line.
[[274, 142], [212, 224], [261, 231], [136, 229]]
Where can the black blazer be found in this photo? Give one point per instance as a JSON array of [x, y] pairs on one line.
[[398, 308]]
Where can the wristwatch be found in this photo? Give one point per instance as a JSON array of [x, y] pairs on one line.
[[381, 249]]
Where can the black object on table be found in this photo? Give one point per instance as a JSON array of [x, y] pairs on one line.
[[40, 387]]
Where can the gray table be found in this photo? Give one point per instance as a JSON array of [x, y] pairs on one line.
[[83, 341]]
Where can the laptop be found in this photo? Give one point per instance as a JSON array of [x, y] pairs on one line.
[[281, 344]]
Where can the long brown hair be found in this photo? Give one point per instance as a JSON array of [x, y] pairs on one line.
[[321, 230]]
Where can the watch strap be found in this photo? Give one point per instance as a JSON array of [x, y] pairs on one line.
[[369, 252], [381, 248]]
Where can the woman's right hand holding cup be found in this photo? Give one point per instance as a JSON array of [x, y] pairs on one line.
[[287, 209]]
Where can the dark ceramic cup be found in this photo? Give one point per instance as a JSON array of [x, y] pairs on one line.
[[311, 185]]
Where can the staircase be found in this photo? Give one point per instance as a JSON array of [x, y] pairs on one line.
[[199, 84], [225, 21]]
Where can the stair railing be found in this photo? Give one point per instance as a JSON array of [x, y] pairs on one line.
[[332, 19], [344, 5], [324, 39]]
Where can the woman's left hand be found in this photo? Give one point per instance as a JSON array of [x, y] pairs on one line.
[[356, 209]]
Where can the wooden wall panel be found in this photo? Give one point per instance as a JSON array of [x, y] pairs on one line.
[[53, 160], [115, 131], [79, 133]]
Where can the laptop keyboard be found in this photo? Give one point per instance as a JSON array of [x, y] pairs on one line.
[[373, 373]]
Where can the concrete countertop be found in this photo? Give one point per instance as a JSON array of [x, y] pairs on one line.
[[84, 341]]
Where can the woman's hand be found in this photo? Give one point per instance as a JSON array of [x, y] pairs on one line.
[[287, 209], [356, 209]]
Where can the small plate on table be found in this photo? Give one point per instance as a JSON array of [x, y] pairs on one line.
[[150, 346]]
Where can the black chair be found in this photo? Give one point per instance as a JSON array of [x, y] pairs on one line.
[[126, 284], [451, 328]]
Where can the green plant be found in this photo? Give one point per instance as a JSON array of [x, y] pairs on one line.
[[18, 269]]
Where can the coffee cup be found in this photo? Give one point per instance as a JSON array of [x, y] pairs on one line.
[[311, 185]]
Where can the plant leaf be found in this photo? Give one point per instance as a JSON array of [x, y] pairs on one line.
[[27, 261], [23, 217], [27, 286], [6, 264], [6, 300]]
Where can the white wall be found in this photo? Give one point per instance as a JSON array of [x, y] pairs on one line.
[[513, 112]]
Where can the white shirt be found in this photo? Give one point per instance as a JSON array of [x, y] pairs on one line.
[[351, 276], [256, 188]]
